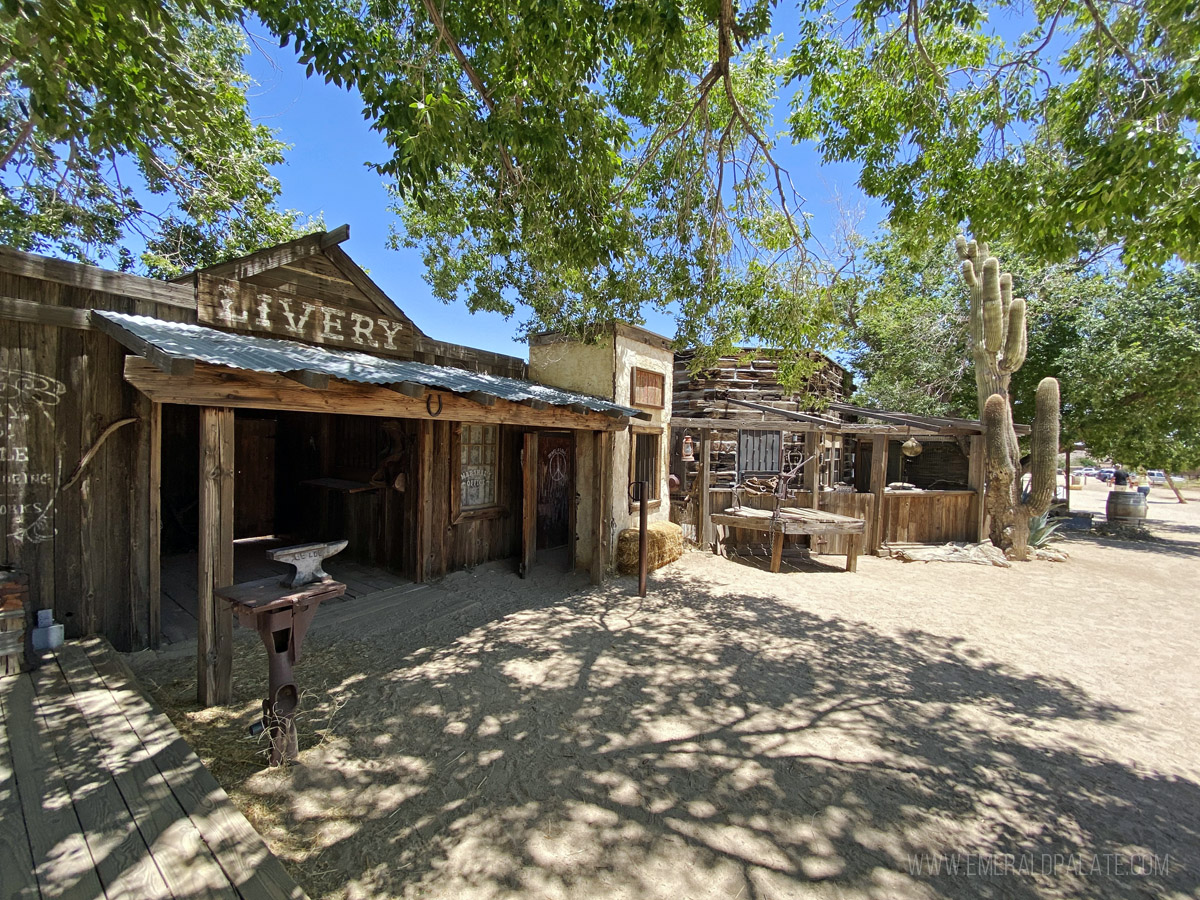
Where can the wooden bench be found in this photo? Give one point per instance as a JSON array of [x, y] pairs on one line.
[[792, 520]]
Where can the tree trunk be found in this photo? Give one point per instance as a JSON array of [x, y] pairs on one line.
[[1171, 485]]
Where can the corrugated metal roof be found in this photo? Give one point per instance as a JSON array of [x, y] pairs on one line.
[[244, 351]]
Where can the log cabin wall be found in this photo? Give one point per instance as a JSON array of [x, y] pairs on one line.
[[83, 536], [752, 376]]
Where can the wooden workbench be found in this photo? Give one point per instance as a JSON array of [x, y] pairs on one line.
[[792, 520]]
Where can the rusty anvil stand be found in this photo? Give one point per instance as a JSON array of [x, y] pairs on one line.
[[281, 611]]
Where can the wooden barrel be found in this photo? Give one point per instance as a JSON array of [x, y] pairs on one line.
[[1126, 507]]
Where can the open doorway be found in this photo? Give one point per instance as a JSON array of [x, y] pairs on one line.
[[298, 477]]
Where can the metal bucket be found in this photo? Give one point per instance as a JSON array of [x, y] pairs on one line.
[[1126, 508]]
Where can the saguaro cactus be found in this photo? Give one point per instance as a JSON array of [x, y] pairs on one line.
[[998, 345]]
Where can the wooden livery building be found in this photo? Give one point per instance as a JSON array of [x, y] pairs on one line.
[[282, 394]]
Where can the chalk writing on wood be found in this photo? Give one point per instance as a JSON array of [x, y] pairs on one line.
[[26, 494]]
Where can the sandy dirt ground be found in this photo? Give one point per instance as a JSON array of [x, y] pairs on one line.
[[914, 730]]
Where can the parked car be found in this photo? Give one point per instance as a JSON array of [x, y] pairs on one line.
[[1105, 475], [1156, 476], [1090, 470]]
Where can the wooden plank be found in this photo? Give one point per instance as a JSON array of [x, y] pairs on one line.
[[16, 860], [776, 551], [214, 639], [879, 460], [528, 502], [976, 474], [361, 280], [187, 865], [704, 520], [235, 388], [274, 257], [317, 381], [424, 501], [43, 314], [599, 480], [852, 546], [93, 278], [123, 861], [144, 487], [62, 861], [239, 849]]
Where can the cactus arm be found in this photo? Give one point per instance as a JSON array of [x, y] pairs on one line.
[[1043, 449], [1014, 341], [993, 321]]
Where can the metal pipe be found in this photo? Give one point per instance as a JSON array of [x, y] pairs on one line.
[[643, 560]]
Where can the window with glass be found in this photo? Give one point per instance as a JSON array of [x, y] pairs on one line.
[[478, 459]]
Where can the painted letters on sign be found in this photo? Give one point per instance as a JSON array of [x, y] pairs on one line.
[[249, 307]]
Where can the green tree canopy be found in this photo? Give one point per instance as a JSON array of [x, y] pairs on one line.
[[105, 103], [1135, 375]]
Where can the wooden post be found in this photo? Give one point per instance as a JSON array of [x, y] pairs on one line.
[[599, 481], [879, 461], [776, 551], [704, 533], [145, 585], [975, 481], [529, 502], [1067, 477], [424, 501], [813, 447], [214, 637]]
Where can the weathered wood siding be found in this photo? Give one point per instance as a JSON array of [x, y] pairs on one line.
[[85, 545], [934, 517], [752, 376]]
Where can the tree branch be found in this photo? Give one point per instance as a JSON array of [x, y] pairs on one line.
[[435, 16]]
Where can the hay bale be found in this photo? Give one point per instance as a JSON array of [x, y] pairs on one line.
[[664, 544]]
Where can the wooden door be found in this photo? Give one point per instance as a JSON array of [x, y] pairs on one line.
[[555, 489], [254, 484]]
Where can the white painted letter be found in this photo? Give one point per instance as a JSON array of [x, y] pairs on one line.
[[331, 328], [362, 329], [293, 325], [229, 295], [264, 307], [389, 331]]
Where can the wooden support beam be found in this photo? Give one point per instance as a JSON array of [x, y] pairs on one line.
[[19, 310], [704, 513], [145, 520], [879, 460], [93, 278], [976, 476], [535, 404], [241, 389], [214, 637], [409, 389], [318, 381], [335, 236], [529, 454], [166, 363], [813, 447], [482, 398], [599, 485], [424, 529]]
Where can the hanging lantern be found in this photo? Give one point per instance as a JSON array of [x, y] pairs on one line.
[[689, 452], [912, 447]]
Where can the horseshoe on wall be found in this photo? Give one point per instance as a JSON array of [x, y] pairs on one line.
[[429, 405]]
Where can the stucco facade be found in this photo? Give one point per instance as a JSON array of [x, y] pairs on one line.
[[605, 368]]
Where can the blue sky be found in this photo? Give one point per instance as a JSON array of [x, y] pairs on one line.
[[325, 173]]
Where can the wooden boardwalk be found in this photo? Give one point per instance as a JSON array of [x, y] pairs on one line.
[[101, 798]]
